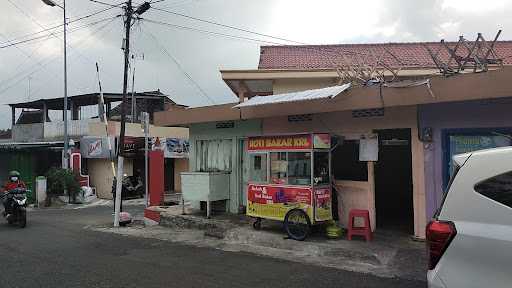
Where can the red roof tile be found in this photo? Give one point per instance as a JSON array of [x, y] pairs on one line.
[[411, 55]]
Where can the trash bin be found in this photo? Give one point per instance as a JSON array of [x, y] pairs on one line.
[[40, 195]]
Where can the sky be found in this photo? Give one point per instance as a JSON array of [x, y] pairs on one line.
[[184, 63]]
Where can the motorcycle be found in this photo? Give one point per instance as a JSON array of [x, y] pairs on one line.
[[132, 188], [17, 205]]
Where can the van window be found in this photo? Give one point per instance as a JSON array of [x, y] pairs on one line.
[[497, 188]]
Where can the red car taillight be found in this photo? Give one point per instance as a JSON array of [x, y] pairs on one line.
[[439, 236]]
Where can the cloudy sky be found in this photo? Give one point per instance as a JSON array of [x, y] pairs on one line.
[[165, 54]]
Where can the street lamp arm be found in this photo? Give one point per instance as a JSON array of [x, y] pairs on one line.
[[52, 4]]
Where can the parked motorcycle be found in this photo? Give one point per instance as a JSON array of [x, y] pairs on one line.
[[132, 187], [17, 207]]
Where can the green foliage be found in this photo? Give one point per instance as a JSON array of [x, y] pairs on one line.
[[59, 179]]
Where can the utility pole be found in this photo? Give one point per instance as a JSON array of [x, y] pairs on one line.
[[145, 126], [129, 12], [120, 148]]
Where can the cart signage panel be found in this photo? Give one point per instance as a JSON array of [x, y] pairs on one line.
[[281, 142], [273, 202], [323, 204]]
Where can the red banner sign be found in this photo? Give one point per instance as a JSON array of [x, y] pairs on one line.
[[288, 142], [264, 194]]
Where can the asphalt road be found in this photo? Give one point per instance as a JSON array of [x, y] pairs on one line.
[[55, 250]]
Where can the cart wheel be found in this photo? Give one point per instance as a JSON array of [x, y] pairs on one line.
[[257, 224], [297, 224]]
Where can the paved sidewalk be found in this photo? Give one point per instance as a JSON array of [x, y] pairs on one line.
[[389, 255]]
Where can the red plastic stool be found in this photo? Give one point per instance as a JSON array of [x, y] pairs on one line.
[[366, 230]]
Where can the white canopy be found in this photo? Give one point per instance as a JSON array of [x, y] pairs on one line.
[[322, 93]]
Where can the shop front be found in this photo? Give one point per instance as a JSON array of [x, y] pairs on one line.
[[98, 161], [377, 163], [477, 125], [290, 174]]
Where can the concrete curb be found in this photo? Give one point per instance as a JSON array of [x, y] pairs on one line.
[[212, 228]]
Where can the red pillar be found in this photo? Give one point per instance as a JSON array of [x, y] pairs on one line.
[[156, 178]]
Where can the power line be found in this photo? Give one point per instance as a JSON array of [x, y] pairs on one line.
[[98, 32], [60, 25], [228, 26], [305, 46], [41, 61], [211, 32], [53, 33], [180, 67], [50, 60]]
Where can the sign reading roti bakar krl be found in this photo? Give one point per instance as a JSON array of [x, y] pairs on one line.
[[281, 142]]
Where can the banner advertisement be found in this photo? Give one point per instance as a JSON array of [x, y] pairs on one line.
[[321, 141], [96, 147], [274, 202], [284, 142], [323, 204], [172, 147]]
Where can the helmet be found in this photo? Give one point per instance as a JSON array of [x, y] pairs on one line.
[[14, 173]]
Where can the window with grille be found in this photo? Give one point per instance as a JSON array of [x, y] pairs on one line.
[[365, 113], [300, 118]]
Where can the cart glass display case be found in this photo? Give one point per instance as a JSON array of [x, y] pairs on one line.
[[290, 172]]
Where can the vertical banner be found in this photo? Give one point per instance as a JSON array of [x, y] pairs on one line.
[[323, 204]]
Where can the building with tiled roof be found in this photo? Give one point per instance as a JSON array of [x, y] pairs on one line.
[[410, 55]]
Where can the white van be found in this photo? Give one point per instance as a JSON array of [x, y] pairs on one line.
[[470, 238]]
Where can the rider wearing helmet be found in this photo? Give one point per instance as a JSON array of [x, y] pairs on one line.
[[13, 183]]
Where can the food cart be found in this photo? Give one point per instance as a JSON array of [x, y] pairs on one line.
[[290, 181]]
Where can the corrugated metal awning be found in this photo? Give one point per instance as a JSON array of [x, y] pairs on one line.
[[314, 94], [30, 145]]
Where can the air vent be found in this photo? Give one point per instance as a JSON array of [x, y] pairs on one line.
[[300, 118], [365, 113], [225, 125]]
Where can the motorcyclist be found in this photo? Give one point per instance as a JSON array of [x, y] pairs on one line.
[[13, 183]]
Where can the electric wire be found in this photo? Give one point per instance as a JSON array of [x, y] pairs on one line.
[[98, 33], [211, 32], [49, 60], [57, 26], [71, 31], [40, 63], [180, 67], [227, 26], [304, 46]]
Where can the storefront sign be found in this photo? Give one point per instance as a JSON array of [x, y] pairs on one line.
[[288, 142], [95, 147], [321, 141], [132, 144], [172, 147], [323, 204], [274, 202], [460, 144]]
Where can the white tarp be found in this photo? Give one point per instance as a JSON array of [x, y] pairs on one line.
[[314, 94]]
